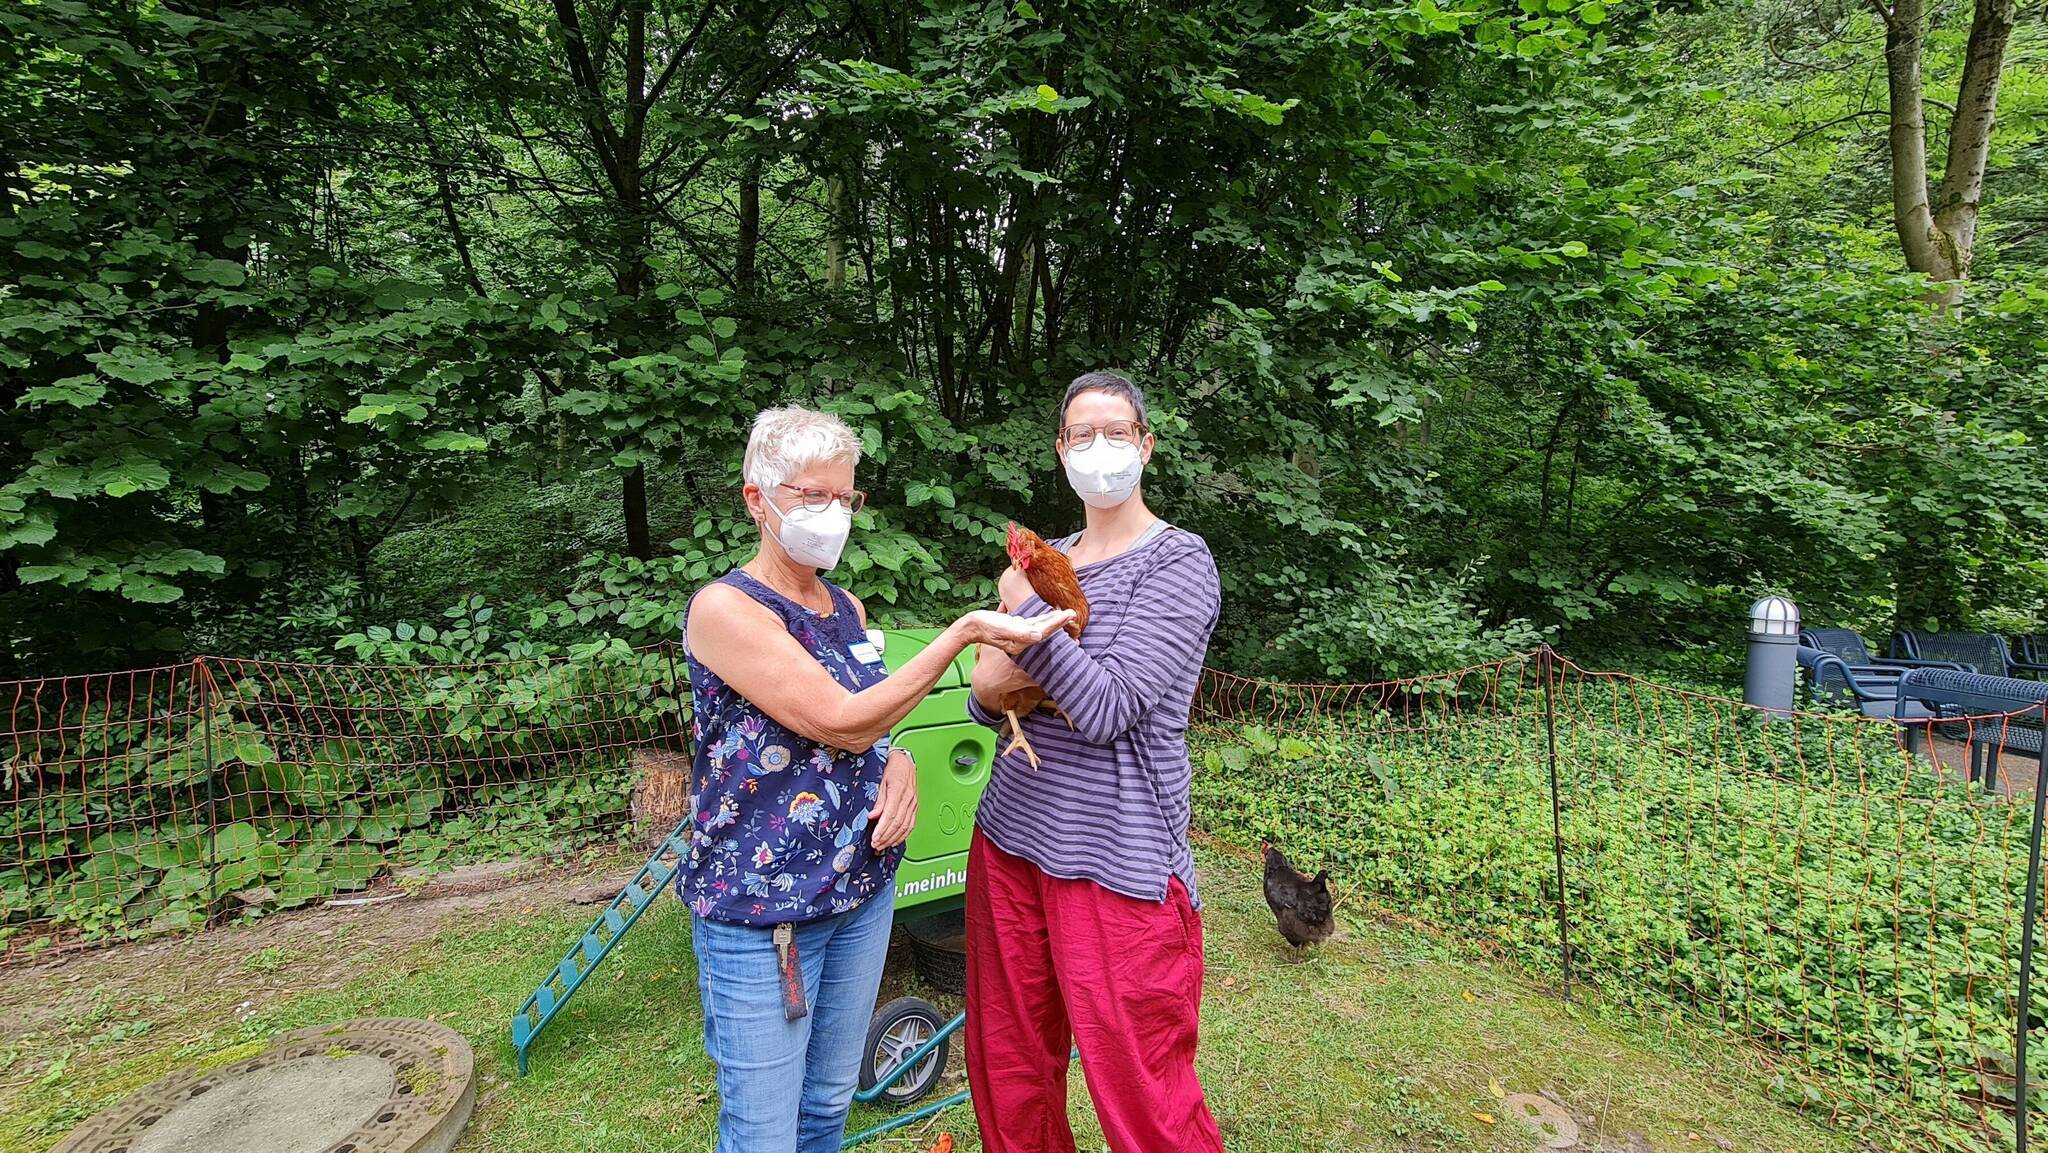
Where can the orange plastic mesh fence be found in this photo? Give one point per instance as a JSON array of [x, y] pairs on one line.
[[1852, 909], [144, 803]]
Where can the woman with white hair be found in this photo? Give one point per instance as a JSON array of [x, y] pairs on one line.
[[801, 808]]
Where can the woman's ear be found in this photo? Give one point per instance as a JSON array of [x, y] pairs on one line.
[[751, 494], [1145, 453]]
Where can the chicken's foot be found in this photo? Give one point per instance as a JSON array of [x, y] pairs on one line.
[[1053, 707], [1017, 740]]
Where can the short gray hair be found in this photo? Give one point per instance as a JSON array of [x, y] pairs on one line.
[[1114, 384], [786, 440]]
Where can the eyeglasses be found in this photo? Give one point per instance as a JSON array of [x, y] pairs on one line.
[[1118, 432], [816, 499]]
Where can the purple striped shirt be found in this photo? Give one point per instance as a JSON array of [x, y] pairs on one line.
[[1109, 800]]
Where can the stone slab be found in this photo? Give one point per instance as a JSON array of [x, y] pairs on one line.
[[303, 1105], [377, 1085]]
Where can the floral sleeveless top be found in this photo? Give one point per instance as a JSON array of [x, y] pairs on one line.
[[781, 823]]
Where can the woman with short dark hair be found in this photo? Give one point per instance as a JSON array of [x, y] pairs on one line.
[[1082, 921]]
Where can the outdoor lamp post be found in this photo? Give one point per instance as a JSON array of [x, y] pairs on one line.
[[1773, 654]]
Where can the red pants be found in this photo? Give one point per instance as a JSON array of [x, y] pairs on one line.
[[1052, 962]]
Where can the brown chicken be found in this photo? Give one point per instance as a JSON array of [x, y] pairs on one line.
[[1301, 905], [1052, 577]]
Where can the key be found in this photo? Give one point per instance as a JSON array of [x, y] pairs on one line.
[[794, 1005]]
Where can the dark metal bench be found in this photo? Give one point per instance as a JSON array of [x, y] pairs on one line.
[[1841, 672], [2010, 709], [1985, 653], [1833, 683], [1848, 645], [2032, 648]]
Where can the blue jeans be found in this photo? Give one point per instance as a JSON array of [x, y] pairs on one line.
[[785, 1086]]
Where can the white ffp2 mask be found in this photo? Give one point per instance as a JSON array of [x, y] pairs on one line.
[[1105, 473], [813, 538]]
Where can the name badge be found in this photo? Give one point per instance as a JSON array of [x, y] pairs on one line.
[[865, 652]]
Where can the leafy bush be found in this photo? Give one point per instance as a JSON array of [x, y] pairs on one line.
[[1396, 624]]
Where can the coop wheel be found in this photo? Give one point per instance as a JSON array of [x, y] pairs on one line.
[[899, 1028]]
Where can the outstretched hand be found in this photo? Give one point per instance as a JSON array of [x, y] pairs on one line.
[[1013, 634]]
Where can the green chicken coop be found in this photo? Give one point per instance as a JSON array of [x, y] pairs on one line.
[[907, 1046], [953, 755]]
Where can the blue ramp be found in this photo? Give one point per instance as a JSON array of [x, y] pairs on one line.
[[598, 941]]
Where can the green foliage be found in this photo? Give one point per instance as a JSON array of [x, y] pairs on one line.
[[1806, 889], [1412, 626], [1462, 321]]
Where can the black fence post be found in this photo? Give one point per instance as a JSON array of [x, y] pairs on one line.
[[1548, 662], [2029, 908]]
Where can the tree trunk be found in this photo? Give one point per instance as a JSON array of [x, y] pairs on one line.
[[359, 552], [1969, 133], [1938, 234], [1027, 304], [444, 186], [211, 323], [750, 227], [301, 501], [1912, 215], [639, 540], [1048, 290], [630, 272], [835, 232], [942, 307], [1012, 265]]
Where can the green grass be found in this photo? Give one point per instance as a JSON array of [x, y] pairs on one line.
[[1385, 1039]]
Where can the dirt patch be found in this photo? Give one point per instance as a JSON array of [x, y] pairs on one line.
[[240, 969]]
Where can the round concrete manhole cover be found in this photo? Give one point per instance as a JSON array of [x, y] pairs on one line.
[[385, 1085], [1554, 1128]]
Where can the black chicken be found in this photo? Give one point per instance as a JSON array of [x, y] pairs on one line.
[[1299, 904]]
